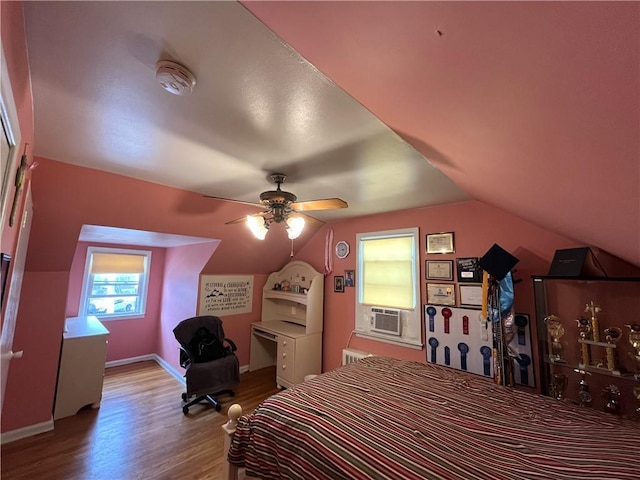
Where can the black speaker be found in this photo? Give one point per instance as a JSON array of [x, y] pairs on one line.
[[497, 262]]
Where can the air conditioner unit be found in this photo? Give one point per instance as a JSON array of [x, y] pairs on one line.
[[385, 320]]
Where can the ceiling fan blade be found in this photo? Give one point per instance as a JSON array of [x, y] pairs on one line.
[[253, 204], [242, 219], [323, 204]]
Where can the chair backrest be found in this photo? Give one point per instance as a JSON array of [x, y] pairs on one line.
[[186, 329]]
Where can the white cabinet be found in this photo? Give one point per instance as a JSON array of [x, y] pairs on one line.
[[290, 333], [81, 369]]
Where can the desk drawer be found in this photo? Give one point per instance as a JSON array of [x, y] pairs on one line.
[[286, 357]]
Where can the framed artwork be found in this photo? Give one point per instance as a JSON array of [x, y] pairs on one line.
[[440, 243], [438, 269], [441, 294], [469, 270], [470, 295], [349, 278], [338, 284]]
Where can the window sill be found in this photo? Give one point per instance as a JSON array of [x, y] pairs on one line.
[[394, 341], [110, 318]]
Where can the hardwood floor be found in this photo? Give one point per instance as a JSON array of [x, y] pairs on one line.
[[139, 432]]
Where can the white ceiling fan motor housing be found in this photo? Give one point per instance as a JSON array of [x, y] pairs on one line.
[[175, 78]]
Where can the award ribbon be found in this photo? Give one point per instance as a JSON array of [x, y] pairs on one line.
[[464, 349], [446, 313], [486, 359], [433, 342], [447, 356], [431, 312]]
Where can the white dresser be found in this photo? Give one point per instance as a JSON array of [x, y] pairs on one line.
[[290, 333], [81, 368]]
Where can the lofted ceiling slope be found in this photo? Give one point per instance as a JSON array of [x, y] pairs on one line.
[[529, 106]]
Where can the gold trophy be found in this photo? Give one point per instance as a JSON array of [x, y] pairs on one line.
[[584, 329], [612, 335], [634, 340], [556, 331], [594, 309]]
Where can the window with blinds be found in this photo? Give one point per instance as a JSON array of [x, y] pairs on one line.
[[115, 282], [388, 278]]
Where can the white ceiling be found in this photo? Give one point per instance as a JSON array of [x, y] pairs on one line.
[[258, 107], [127, 236]]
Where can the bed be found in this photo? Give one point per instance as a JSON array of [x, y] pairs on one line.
[[383, 418]]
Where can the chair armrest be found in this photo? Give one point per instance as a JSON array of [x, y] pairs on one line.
[[186, 358], [233, 345]]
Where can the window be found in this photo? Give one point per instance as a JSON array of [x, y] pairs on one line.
[[115, 283], [388, 289]]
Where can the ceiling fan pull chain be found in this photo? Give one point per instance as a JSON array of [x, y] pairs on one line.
[[291, 248]]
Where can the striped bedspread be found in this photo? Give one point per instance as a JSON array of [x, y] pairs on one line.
[[383, 418]]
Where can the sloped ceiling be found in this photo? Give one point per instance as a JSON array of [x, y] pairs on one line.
[[533, 107], [529, 106]]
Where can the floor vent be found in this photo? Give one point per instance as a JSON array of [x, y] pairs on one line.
[[349, 355]]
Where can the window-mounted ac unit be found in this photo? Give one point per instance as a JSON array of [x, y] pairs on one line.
[[385, 320]]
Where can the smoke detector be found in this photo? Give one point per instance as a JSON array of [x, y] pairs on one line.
[[175, 78]]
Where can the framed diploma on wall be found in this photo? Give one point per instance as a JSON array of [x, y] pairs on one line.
[[438, 269], [469, 270], [470, 295]]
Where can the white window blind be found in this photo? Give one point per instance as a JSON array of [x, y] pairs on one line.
[[117, 263], [388, 272]]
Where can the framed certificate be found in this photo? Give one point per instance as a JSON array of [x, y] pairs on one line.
[[469, 270], [438, 269], [470, 295], [441, 294], [440, 243]]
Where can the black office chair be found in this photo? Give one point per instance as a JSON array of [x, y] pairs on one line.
[[206, 379]]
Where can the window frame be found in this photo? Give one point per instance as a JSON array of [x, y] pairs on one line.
[[143, 284], [411, 318]]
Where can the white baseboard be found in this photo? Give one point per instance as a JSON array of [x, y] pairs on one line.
[[25, 432], [47, 426], [179, 375]]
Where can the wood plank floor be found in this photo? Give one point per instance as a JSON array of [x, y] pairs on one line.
[[139, 432]]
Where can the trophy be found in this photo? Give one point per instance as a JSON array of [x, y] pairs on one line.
[[634, 340], [612, 335], [612, 394], [558, 385], [556, 331], [583, 395], [584, 330], [594, 309]]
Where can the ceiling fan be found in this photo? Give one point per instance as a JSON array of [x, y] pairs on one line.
[[283, 207]]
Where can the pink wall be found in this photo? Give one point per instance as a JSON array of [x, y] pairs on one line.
[[180, 294], [127, 337], [476, 226], [66, 197]]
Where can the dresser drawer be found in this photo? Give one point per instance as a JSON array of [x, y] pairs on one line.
[[286, 358]]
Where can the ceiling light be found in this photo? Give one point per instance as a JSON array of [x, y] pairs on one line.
[[258, 226], [175, 78], [295, 226]]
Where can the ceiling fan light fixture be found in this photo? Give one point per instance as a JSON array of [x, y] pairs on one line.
[[258, 226], [295, 226]]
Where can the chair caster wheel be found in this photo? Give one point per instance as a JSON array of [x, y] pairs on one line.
[[185, 410], [218, 407], [184, 397]]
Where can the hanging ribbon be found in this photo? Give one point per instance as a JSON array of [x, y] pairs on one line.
[[328, 257]]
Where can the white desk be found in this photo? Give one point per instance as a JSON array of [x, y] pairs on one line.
[[295, 353]]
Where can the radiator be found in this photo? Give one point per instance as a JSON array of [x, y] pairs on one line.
[[349, 355]]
